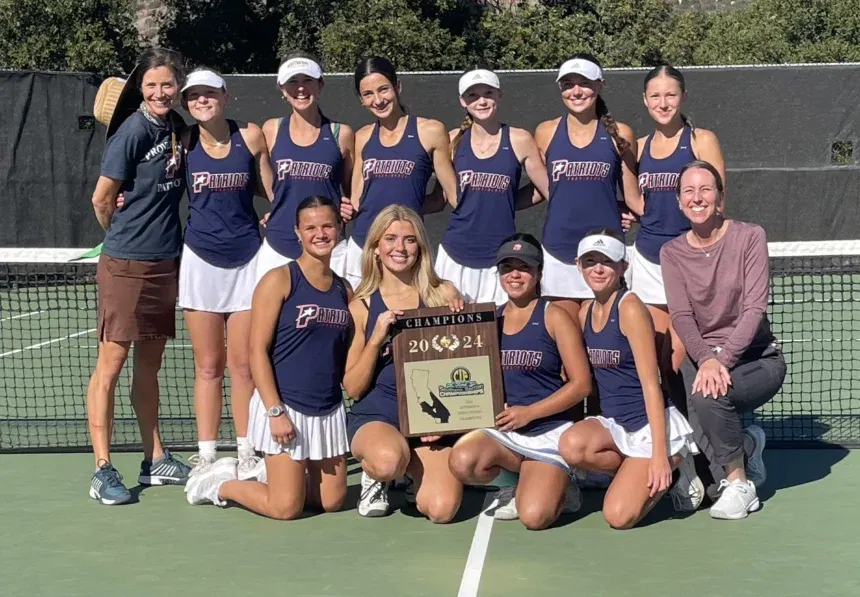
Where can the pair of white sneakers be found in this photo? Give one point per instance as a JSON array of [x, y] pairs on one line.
[[737, 499], [373, 500], [209, 474]]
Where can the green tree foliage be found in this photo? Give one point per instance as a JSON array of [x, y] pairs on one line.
[[229, 35], [76, 35], [390, 28], [302, 25]]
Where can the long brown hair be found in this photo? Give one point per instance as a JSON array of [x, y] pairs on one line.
[[603, 113]]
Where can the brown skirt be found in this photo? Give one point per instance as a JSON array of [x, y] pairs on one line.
[[137, 299]]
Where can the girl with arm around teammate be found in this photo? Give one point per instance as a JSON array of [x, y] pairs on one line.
[[300, 334], [733, 363], [226, 162], [639, 438], [489, 158], [537, 339], [310, 156], [394, 157], [397, 274]]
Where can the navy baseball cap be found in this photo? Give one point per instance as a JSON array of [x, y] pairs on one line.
[[519, 249]]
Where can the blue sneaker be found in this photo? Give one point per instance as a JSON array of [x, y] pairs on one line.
[[107, 488], [167, 470]]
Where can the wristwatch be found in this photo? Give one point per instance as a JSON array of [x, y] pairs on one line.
[[275, 411]]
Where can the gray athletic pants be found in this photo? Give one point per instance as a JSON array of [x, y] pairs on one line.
[[716, 422]]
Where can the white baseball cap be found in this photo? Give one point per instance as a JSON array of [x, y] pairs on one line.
[[580, 66], [479, 76], [298, 66], [205, 78], [603, 244]]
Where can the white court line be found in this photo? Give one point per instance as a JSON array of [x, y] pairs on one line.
[[20, 316], [478, 551], [45, 343]]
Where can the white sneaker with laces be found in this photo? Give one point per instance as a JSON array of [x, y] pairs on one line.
[[203, 488], [373, 501], [689, 492], [200, 462], [738, 499], [756, 471], [252, 468], [506, 504]]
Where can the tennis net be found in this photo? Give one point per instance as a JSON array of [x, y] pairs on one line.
[[48, 347]]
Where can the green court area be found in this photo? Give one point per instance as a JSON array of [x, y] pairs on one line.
[[57, 541]]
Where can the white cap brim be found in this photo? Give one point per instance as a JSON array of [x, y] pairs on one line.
[[205, 78], [478, 77], [298, 66], [603, 244], [580, 66]]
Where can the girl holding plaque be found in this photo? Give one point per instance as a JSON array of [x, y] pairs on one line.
[[397, 274], [640, 438], [537, 339]]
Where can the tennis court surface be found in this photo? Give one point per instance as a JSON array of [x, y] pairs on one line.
[[58, 541]]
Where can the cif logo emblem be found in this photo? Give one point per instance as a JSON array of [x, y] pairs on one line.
[[461, 374], [440, 344]]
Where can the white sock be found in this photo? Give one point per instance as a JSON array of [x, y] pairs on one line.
[[207, 448], [244, 446]]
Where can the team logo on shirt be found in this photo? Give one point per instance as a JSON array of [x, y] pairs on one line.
[[658, 181], [579, 170], [604, 358], [305, 170], [374, 168], [484, 181], [217, 181], [521, 359], [322, 315]]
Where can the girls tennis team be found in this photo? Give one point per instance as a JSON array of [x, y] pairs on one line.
[[668, 339]]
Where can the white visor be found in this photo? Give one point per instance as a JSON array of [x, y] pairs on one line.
[[478, 77], [605, 245], [298, 66], [580, 66], [205, 78]]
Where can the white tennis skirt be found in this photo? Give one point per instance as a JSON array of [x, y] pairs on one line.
[[638, 444], [268, 259], [207, 287], [645, 278], [316, 437], [352, 263], [563, 280], [543, 447], [477, 285]]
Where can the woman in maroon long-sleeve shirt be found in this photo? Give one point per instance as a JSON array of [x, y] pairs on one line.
[[717, 281]]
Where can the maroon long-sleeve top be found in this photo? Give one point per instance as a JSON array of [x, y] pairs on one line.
[[717, 297]]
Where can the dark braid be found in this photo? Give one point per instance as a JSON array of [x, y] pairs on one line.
[[608, 121], [464, 126]]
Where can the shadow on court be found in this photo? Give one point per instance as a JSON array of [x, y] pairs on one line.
[[792, 468]]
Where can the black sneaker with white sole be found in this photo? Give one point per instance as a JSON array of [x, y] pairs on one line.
[[167, 470]]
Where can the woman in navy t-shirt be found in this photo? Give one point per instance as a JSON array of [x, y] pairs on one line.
[[537, 339], [227, 163], [394, 158], [639, 437], [300, 335]]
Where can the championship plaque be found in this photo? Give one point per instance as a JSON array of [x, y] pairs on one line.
[[448, 367]]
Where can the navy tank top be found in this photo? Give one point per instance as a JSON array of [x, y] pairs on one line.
[[531, 367], [381, 398], [582, 190], [309, 348], [222, 226], [397, 174], [658, 179], [621, 395], [486, 202], [301, 172]]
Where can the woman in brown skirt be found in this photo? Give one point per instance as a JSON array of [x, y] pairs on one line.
[[138, 269]]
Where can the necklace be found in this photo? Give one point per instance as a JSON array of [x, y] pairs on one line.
[[698, 244], [217, 143]]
